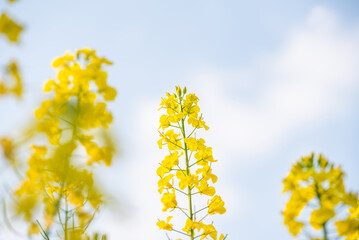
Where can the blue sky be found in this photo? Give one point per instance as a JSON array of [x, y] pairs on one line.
[[276, 80]]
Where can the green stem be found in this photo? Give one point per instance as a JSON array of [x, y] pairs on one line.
[[319, 196], [66, 218], [325, 231], [188, 173]]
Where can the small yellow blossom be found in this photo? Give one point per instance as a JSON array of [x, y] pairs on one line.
[[315, 180], [7, 146], [33, 229], [12, 74], [216, 205], [169, 201], [164, 183], [165, 225], [59, 179], [10, 28], [192, 225]]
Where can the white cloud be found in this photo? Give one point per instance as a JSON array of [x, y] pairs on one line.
[[310, 79]]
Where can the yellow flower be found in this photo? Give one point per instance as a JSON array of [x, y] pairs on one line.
[[10, 28], [84, 217], [194, 144], [320, 217], [51, 128], [8, 149], [216, 205], [168, 163], [190, 159], [171, 139], [315, 179], [164, 122], [348, 228], [13, 75], [73, 121], [33, 229], [63, 61], [197, 123], [165, 225], [206, 172], [26, 206], [169, 201], [295, 227], [204, 156], [163, 183], [98, 154], [209, 230], [203, 188], [186, 180], [192, 225]]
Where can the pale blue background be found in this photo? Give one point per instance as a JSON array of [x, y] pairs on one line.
[[157, 44]]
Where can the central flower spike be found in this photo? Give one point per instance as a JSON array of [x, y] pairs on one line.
[[187, 169]]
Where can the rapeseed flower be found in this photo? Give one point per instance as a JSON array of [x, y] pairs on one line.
[[187, 169], [11, 82], [10, 28], [317, 185], [59, 180]]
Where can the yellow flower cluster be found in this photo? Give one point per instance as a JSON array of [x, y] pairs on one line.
[[10, 83], [318, 185], [7, 146], [59, 179], [10, 28], [187, 169], [349, 227], [11, 75]]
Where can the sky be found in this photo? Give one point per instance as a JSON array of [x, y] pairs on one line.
[[276, 80]]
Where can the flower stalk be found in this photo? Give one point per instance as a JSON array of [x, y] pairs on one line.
[[188, 166], [318, 185]]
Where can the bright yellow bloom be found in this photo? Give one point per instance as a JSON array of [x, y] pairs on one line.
[[10, 28], [203, 188], [320, 217], [187, 167], [315, 179], [348, 228], [186, 180], [171, 139], [216, 205], [51, 128], [58, 180], [192, 225], [198, 123], [33, 229], [204, 156], [164, 183], [165, 225], [209, 230], [193, 144], [222, 237], [7, 146], [12, 74], [169, 201], [168, 163], [206, 172]]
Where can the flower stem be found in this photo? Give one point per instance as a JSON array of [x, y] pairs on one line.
[[319, 196], [188, 173]]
